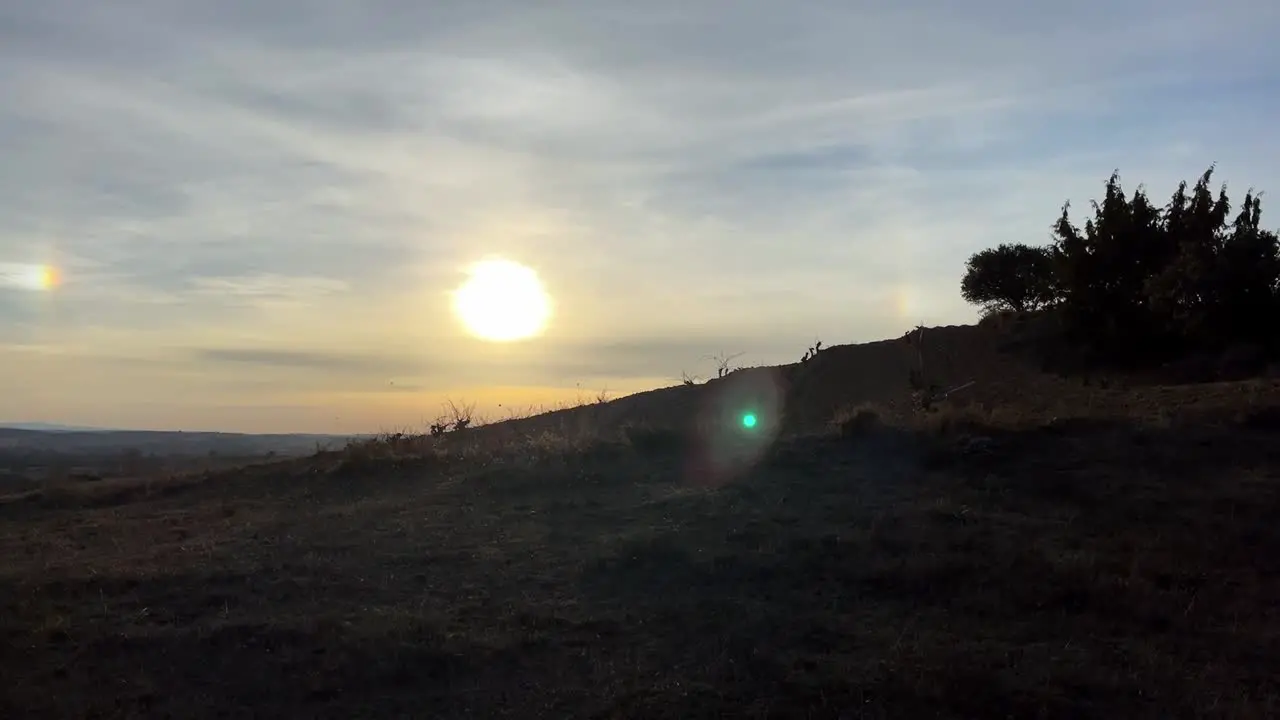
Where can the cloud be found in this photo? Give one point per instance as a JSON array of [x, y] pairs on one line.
[[566, 364], [23, 276], [293, 359], [300, 184], [268, 288]]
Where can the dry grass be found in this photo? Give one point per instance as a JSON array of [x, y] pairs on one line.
[[983, 560]]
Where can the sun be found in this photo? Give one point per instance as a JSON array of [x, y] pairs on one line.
[[502, 301]]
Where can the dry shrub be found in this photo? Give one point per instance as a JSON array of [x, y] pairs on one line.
[[952, 420], [544, 443], [855, 421], [386, 451], [649, 439], [510, 442]]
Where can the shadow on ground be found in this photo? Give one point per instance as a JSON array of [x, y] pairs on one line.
[[1057, 571]]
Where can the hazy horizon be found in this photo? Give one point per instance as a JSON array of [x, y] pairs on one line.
[[250, 217]]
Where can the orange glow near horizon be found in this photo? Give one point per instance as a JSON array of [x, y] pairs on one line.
[[413, 411]]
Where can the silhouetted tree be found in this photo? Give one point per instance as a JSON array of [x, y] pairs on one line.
[[1247, 279], [1184, 292], [1139, 282], [1009, 277], [1102, 271]]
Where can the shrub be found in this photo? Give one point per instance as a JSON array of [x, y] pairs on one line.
[[647, 440], [856, 422]]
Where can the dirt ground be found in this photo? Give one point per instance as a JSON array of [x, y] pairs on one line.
[[1041, 548]]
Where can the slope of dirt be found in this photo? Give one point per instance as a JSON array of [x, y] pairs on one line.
[[974, 358], [1123, 567]]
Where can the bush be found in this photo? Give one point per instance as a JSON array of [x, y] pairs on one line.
[[654, 440], [852, 423]]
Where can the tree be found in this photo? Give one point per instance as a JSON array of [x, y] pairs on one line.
[[1247, 277], [1010, 277], [1185, 291], [1140, 283]]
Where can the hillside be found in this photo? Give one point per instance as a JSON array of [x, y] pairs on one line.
[[1037, 546], [996, 381]]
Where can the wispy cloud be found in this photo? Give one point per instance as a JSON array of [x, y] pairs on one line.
[[295, 187], [295, 359], [265, 289]]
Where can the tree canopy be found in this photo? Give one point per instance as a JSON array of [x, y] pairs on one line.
[[1142, 279], [1009, 277]]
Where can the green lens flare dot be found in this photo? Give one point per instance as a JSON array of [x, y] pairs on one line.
[[749, 420]]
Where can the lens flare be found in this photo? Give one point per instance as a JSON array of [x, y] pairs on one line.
[[735, 425]]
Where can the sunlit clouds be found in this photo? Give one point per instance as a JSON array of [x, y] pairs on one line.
[[502, 301]]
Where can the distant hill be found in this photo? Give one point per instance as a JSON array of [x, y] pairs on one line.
[[47, 437], [50, 427]]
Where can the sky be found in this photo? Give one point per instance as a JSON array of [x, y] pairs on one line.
[[257, 210]]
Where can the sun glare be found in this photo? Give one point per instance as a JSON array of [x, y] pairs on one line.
[[28, 277], [46, 278], [502, 301]]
